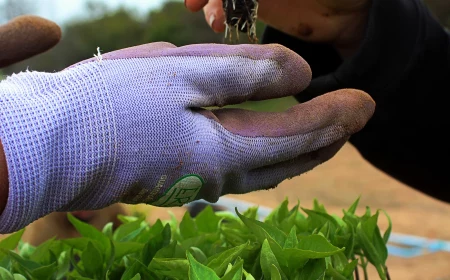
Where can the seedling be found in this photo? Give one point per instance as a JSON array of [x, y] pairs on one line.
[[290, 243], [240, 16]]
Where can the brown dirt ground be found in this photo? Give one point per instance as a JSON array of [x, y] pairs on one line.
[[338, 182]]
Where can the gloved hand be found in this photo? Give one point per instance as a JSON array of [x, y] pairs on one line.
[[26, 36], [128, 126]]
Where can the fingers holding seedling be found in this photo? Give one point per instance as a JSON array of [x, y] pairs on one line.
[[213, 10], [229, 16], [26, 36]]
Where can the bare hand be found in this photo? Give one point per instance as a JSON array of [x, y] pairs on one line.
[[338, 22]]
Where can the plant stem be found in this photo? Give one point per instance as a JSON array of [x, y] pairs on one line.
[[364, 266], [356, 269], [356, 273], [387, 273]]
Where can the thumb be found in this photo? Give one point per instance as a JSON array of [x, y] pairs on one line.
[[26, 36]]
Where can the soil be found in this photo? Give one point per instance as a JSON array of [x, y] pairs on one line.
[[338, 182]]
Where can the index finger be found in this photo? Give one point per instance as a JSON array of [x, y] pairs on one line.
[[26, 36]]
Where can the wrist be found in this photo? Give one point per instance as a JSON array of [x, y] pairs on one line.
[[4, 186]]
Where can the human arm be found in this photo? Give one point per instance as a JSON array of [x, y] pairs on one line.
[[403, 63]]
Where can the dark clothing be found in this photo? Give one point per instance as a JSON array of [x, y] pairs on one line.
[[404, 64]]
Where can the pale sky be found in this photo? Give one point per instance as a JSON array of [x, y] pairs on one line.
[[61, 10]]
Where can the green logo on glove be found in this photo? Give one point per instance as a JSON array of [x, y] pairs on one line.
[[183, 191]]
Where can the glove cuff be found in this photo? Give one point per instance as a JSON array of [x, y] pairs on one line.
[[59, 140]]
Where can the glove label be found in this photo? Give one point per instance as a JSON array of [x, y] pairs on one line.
[[183, 191]]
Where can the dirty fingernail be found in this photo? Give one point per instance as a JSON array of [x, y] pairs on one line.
[[212, 18]]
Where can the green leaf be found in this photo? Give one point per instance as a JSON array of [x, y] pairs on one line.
[[42, 254], [251, 212], [263, 231], [19, 277], [279, 214], [318, 207], [11, 242], [197, 271], [291, 241], [25, 249], [156, 228], [207, 221], [125, 248], [351, 219], [89, 231], [235, 273], [169, 267], [274, 273], [334, 273], [318, 219], [339, 261], [293, 219], [268, 259], [79, 243], [248, 276], [354, 206], [5, 274], [188, 228], [349, 269], [370, 236], [108, 229], [136, 277], [155, 244], [73, 263], [309, 247], [373, 244], [350, 242], [219, 262], [198, 254], [81, 278], [63, 265], [45, 272], [318, 245], [136, 268], [26, 264], [313, 270], [387, 233], [128, 231], [92, 260], [168, 251]]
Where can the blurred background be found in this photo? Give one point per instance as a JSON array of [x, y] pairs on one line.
[[115, 24]]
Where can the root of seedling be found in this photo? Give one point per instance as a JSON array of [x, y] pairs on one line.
[[240, 16]]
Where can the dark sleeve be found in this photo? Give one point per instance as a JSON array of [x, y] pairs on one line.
[[404, 64]]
